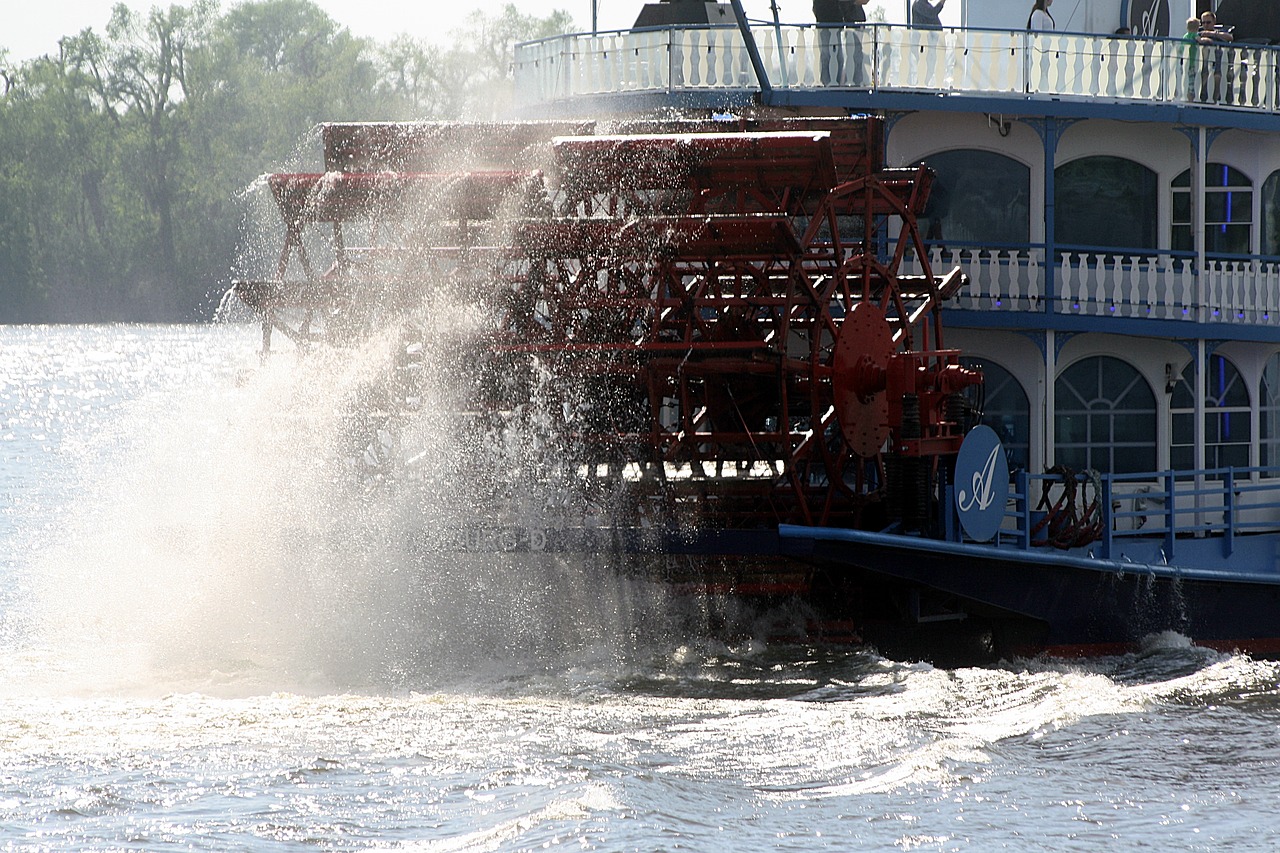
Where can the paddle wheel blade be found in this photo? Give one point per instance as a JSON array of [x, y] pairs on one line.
[[714, 312]]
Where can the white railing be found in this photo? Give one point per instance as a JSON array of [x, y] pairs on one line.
[[1156, 286], [643, 61], [896, 57]]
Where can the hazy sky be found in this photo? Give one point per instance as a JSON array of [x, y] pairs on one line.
[[29, 29]]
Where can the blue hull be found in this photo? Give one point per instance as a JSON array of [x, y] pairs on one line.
[[1039, 600]]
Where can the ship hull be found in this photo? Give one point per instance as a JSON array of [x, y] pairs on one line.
[[1035, 601]]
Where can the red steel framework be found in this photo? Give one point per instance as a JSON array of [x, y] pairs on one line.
[[721, 307]]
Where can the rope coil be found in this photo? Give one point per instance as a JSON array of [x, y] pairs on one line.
[[1074, 519]]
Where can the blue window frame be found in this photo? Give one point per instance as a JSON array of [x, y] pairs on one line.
[[1105, 417], [1228, 211]]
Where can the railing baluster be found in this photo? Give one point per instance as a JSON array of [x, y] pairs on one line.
[[1035, 277], [1211, 290], [1068, 295], [1128, 299], [1099, 298], [1270, 283]]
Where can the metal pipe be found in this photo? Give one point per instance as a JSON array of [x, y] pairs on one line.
[[753, 52], [782, 54]]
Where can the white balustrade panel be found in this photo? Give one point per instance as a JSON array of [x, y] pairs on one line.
[[895, 57], [999, 279], [1158, 287]]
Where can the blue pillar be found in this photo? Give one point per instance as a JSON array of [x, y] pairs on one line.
[[1050, 140]]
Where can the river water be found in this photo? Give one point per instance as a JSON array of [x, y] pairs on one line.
[[210, 644]]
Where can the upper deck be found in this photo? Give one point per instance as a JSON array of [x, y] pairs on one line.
[[893, 66], [1051, 81]]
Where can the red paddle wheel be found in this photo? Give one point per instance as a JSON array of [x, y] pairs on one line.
[[715, 314]]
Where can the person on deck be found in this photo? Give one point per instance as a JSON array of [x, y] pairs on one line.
[[1213, 36], [1191, 54], [926, 14], [854, 16], [829, 14], [1211, 31], [1040, 20]]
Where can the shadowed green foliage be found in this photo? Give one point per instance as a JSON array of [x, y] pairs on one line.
[[127, 152]]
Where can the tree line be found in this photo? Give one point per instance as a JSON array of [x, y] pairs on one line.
[[128, 153]]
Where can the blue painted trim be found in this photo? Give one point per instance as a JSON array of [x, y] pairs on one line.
[[753, 51], [1036, 557], [1013, 105], [1037, 337], [1026, 321], [1049, 128], [1050, 139], [1060, 342], [630, 103]]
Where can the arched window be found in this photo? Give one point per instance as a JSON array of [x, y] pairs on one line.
[[979, 197], [1269, 413], [1226, 417], [1105, 201], [1271, 215], [1228, 211], [1005, 409], [1105, 417]]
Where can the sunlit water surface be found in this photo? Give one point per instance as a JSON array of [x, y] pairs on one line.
[[200, 654]]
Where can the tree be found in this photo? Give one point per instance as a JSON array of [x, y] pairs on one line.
[[494, 41], [138, 77], [56, 190], [128, 153], [410, 71], [473, 79]]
